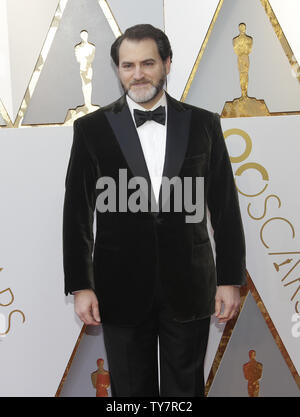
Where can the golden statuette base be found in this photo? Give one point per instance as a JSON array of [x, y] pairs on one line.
[[245, 107]]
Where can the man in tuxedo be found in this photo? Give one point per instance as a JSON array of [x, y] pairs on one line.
[[149, 276]]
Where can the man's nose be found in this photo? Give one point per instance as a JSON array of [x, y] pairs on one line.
[[138, 73]]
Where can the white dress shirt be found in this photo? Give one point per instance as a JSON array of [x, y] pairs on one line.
[[153, 138]]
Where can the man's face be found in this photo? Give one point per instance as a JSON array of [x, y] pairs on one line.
[[141, 70]]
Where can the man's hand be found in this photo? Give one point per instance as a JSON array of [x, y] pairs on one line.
[[86, 307], [229, 295]]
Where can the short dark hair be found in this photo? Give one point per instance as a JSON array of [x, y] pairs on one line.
[[139, 32]]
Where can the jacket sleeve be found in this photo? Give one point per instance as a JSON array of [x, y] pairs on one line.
[[78, 215], [223, 204]]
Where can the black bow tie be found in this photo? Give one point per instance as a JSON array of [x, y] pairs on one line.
[[158, 115]]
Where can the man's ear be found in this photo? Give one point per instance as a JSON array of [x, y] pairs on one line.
[[168, 65]]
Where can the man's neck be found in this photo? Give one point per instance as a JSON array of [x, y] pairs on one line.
[[152, 102]]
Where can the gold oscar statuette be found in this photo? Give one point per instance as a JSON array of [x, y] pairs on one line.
[[244, 106], [100, 379], [253, 373], [84, 54]]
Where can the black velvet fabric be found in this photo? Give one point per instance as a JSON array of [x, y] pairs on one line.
[[132, 250]]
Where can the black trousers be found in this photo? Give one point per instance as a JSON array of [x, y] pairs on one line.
[[132, 354]]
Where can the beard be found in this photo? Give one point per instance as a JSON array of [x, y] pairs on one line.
[[146, 94]]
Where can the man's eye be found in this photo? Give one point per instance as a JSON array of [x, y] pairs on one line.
[[149, 64]]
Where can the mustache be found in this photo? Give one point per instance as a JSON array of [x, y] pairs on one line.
[[139, 82]]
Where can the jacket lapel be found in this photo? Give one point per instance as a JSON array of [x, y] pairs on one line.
[[178, 125], [178, 129]]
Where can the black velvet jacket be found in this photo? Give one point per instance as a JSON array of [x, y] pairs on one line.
[[132, 250]]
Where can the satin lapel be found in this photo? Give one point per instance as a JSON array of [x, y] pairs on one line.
[[121, 122], [178, 129]]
